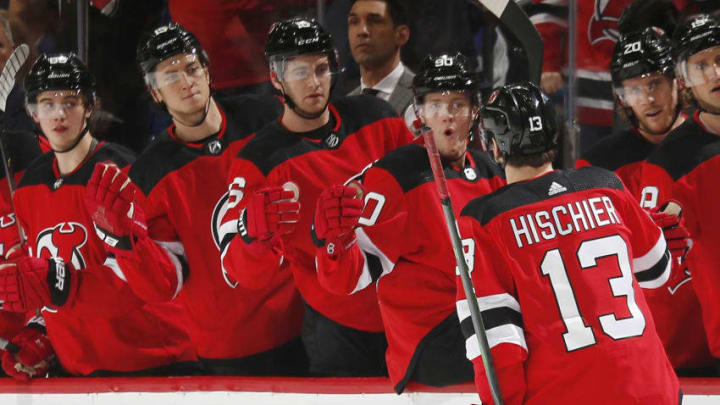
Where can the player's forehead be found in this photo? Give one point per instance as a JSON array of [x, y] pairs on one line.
[[447, 96], [705, 55], [305, 60], [176, 62], [57, 95], [645, 79]]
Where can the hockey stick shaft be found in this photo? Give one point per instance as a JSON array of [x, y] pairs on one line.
[[517, 22], [8, 346], [450, 222], [7, 82]]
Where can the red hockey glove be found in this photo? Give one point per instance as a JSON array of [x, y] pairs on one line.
[[34, 357], [676, 235], [110, 200], [28, 283], [270, 213], [337, 212]]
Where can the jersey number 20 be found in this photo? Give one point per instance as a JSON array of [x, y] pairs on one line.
[[579, 334]]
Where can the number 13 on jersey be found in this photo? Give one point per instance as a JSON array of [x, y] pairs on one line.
[[579, 334]]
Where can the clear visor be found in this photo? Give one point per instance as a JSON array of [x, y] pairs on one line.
[[645, 89], [448, 104], [701, 68], [56, 104], [303, 68], [176, 70]]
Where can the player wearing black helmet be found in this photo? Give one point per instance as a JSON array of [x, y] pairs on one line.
[[643, 75], [686, 164], [94, 321], [277, 179], [179, 183], [399, 251], [558, 258]]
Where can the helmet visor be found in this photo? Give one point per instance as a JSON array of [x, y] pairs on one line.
[[445, 104], [643, 89], [700, 68], [300, 68], [176, 70], [56, 104]]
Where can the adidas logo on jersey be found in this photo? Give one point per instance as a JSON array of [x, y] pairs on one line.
[[556, 188]]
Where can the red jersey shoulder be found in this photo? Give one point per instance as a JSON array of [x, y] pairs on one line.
[[43, 171], [685, 148], [551, 185], [618, 150]]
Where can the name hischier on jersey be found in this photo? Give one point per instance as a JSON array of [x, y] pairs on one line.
[[563, 219]]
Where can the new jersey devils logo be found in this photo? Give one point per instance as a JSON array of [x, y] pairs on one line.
[[221, 230], [64, 240], [604, 22]]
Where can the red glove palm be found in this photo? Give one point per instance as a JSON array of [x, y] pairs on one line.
[[270, 213], [33, 358], [110, 200], [337, 213], [28, 283]]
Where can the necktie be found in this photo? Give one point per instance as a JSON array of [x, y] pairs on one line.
[[370, 91]]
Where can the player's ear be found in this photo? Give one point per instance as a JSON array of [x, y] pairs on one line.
[[275, 81], [155, 94]]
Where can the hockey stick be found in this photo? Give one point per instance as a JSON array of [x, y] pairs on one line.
[[518, 23], [7, 82], [9, 346], [450, 222]]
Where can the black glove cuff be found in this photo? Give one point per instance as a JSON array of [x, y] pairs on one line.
[[242, 228], [59, 279], [114, 241]]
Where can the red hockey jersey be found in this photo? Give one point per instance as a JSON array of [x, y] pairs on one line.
[[557, 267], [675, 306], [361, 130], [685, 168], [406, 249], [108, 328], [185, 199]]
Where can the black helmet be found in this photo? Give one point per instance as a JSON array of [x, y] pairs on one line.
[[695, 35], [444, 72], [639, 53], [521, 119], [297, 36], [63, 71], [165, 42]]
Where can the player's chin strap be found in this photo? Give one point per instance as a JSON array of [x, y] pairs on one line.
[[77, 140], [202, 119], [302, 114]]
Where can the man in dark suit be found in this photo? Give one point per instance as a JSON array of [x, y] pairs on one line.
[[377, 31]]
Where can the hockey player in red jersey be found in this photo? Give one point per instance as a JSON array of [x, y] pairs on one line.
[[94, 321], [643, 75], [182, 191], [399, 250], [686, 164], [277, 178], [558, 258]]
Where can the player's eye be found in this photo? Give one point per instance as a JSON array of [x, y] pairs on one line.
[[47, 106], [70, 104], [322, 70], [298, 74], [169, 78], [193, 69]]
